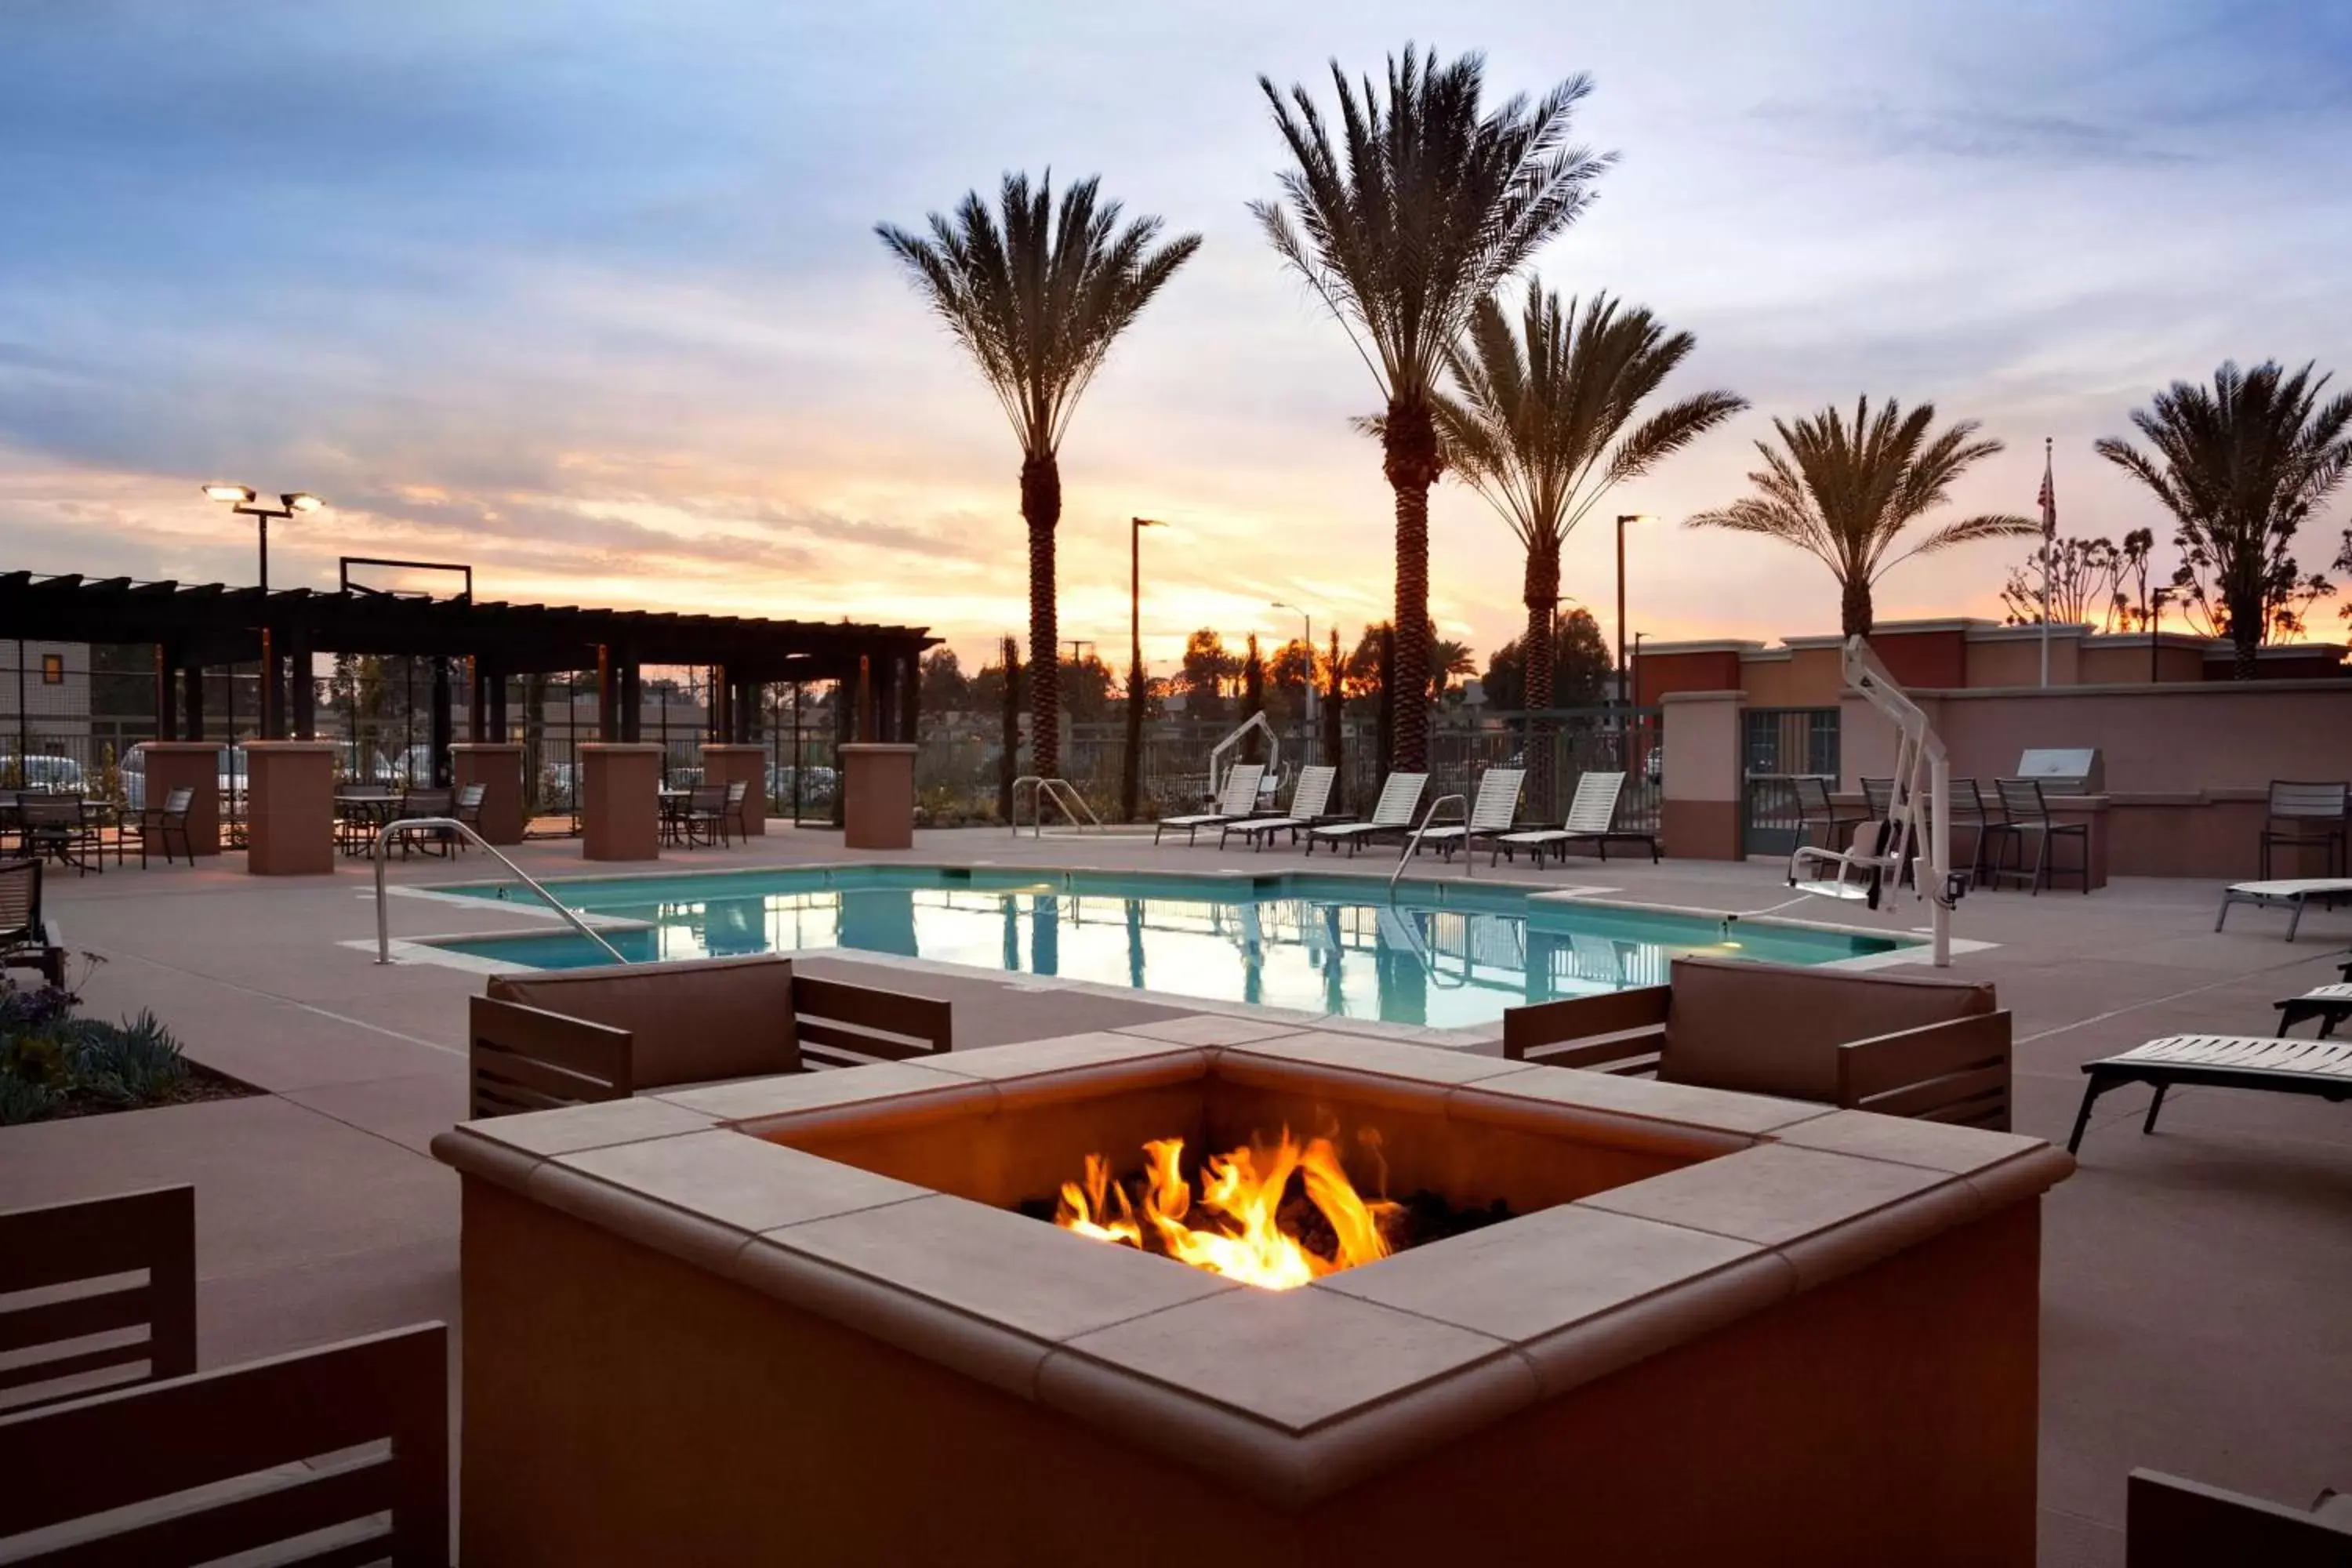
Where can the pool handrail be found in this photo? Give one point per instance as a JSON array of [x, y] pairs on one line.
[[1073, 804], [403, 825], [1412, 845]]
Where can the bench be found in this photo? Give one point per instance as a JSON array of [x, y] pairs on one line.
[[543, 1040], [144, 1246], [2323, 1068]]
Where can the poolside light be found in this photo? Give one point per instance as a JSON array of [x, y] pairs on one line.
[[243, 499], [300, 500], [237, 493], [1624, 696]]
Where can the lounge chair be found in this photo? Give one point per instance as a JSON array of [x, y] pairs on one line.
[[2169, 1522], [2218, 1061], [1491, 813], [1392, 813], [2331, 1004], [338, 1455], [1237, 802], [1899, 1045], [75, 1246], [27, 941], [1309, 799], [2293, 893], [2311, 814], [1592, 819], [576, 1036]]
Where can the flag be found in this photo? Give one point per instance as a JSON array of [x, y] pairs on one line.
[[2049, 498]]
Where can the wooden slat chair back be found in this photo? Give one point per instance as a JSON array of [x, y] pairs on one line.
[[2022, 803], [2321, 802], [1594, 807], [101, 1268], [664, 1025], [331, 1457], [1398, 795], [1498, 801], [20, 902], [1312, 796], [1239, 798]]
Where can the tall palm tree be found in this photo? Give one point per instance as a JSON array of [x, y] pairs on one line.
[[1423, 208], [1846, 493], [1540, 429], [2241, 466], [1037, 297]]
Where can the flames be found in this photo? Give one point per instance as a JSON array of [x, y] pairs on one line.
[[1244, 1230]]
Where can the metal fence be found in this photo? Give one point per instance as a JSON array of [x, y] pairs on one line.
[[1780, 745]]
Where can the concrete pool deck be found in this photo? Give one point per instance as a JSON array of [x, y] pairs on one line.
[[2194, 1282]]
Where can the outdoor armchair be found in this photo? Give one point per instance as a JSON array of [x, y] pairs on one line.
[[1898, 1044], [88, 1257], [160, 825], [2169, 1522], [28, 940], [545, 1039], [2310, 815]]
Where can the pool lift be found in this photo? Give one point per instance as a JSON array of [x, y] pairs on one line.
[[1918, 815]]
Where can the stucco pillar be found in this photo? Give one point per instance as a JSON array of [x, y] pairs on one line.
[[1700, 795], [877, 796], [290, 808], [498, 768], [620, 801], [195, 766], [726, 765]]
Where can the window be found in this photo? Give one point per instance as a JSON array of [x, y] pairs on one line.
[[53, 669]]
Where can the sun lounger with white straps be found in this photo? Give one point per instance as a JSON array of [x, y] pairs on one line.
[[2331, 1004], [2294, 893], [1392, 813], [1310, 798], [1496, 802], [1592, 819], [2323, 1068], [1238, 801]]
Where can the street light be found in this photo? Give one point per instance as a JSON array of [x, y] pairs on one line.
[[243, 501], [1310, 635], [1623, 519], [1131, 786]]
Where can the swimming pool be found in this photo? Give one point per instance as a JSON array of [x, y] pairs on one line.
[[1444, 955]]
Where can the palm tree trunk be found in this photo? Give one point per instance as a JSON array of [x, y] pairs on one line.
[[1542, 596], [2245, 632], [1041, 508], [1410, 461], [1130, 792], [1854, 608]]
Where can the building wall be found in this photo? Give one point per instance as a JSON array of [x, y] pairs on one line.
[[1711, 669], [50, 707], [1932, 659]]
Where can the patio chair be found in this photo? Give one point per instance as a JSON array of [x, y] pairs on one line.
[[738, 807], [1816, 808], [339, 1455], [73, 1248], [1492, 811], [27, 941], [56, 826], [1392, 814], [1898, 1044], [703, 818], [542, 1040], [2174, 1523], [1592, 819], [417, 804], [1236, 803], [2218, 1061], [2295, 894], [1971, 811], [1309, 799], [467, 808], [159, 825], [2027, 814], [2307, 814]]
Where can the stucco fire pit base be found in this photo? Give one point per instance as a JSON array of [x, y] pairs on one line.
[[792, 1321]]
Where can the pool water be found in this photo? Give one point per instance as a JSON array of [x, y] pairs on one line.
[[1446, 955]]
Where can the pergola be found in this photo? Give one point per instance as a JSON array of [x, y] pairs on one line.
[[193, 626]]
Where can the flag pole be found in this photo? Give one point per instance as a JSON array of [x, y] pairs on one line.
[[2049, 531]]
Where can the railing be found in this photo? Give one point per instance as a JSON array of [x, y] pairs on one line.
[[1412, 845], [407, 825], [1073, 804]]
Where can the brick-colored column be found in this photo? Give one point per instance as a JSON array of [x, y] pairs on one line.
[[498, 768], [724, 765], [620, 801], [877, 796], [195, 766], [1700, 804], [290, 809]]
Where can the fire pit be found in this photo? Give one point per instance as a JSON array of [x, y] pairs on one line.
[[823, 1318]]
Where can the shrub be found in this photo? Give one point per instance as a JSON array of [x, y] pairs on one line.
[[128, 1064], [48, 1056], [22, 1101]]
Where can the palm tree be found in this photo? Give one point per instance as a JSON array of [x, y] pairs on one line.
[[1846, 494], [2240, 467], [1448, 658], [1037, 299], [1540, 430], [1423, 210]]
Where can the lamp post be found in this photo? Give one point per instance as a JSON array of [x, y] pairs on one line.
[[1131, 785], [1623, 519], [242, 500], [1306, 746]]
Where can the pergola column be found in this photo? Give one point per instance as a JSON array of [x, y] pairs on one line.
[[442, 733], [910, 699], [633, 697], [167, 714], [303, 710], [191, 694], [608, 696]]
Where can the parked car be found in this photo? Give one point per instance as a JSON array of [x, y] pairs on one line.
[[817, 785], [229, 771], [55, 775]]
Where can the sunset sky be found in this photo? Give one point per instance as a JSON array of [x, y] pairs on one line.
[[588, 295]]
